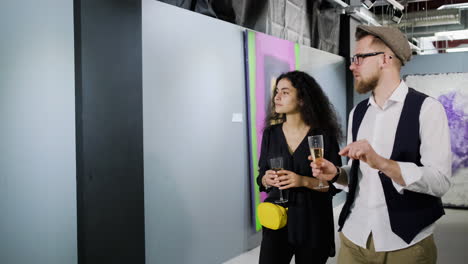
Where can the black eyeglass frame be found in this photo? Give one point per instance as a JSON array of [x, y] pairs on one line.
[[356, 57]]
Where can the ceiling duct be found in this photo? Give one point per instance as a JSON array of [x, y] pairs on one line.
[[427, 18]]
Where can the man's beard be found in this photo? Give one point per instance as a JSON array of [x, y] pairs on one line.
[[365, 86]]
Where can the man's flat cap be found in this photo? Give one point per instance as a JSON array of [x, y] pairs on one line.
[[393, 38]]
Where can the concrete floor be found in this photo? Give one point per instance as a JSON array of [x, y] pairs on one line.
[[451, 236]]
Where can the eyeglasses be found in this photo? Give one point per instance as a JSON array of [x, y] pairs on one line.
[[358, 58]]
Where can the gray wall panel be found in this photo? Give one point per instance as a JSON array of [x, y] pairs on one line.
[[197, 198], [329, 70], [37, 113], [437, 63]]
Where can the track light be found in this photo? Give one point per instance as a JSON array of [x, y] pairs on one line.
[[397, 15], [396, 5], [368, 3]]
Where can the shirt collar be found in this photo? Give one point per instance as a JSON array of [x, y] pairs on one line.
[[398, 95]]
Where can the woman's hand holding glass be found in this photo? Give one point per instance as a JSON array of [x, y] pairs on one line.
[[288, 179], [270, 178], [283, 179]]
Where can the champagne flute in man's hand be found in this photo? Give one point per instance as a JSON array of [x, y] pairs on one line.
[[316, 151]]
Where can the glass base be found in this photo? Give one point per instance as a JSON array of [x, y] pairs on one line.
[[281, 201], [321, 187]]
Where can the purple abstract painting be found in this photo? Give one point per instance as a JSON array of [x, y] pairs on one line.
[[451, 90], [458, 125]]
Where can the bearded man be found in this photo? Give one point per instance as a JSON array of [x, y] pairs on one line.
[[400, 159]]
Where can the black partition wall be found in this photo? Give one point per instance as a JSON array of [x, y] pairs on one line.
[[109, 131], [344, 51]]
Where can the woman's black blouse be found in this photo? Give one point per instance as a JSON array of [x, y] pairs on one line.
[[310, 213]]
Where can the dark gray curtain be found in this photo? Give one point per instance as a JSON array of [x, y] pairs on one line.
[[307, 22]]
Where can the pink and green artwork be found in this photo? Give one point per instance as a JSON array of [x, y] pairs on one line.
[[266, 58]]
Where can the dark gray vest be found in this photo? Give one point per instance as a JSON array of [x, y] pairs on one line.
[[409, 212]]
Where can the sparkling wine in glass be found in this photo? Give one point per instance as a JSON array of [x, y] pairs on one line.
[[316, 150], [276, 164]]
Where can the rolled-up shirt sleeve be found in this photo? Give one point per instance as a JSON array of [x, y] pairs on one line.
[[346, 169], [349, 140], [434, 177]]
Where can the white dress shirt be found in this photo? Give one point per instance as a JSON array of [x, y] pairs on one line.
[[369, 212]]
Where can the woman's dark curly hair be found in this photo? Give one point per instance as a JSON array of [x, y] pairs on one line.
[[316, 110]]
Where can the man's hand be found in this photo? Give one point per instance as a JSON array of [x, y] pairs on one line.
[[362, 150], [323, 169]]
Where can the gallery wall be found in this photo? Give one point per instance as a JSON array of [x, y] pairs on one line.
[[37, 136], [77, 127], [197, 198]]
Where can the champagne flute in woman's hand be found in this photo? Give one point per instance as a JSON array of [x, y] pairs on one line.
[[276, 164]]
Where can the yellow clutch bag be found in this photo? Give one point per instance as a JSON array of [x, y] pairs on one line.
[[272, 216]]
